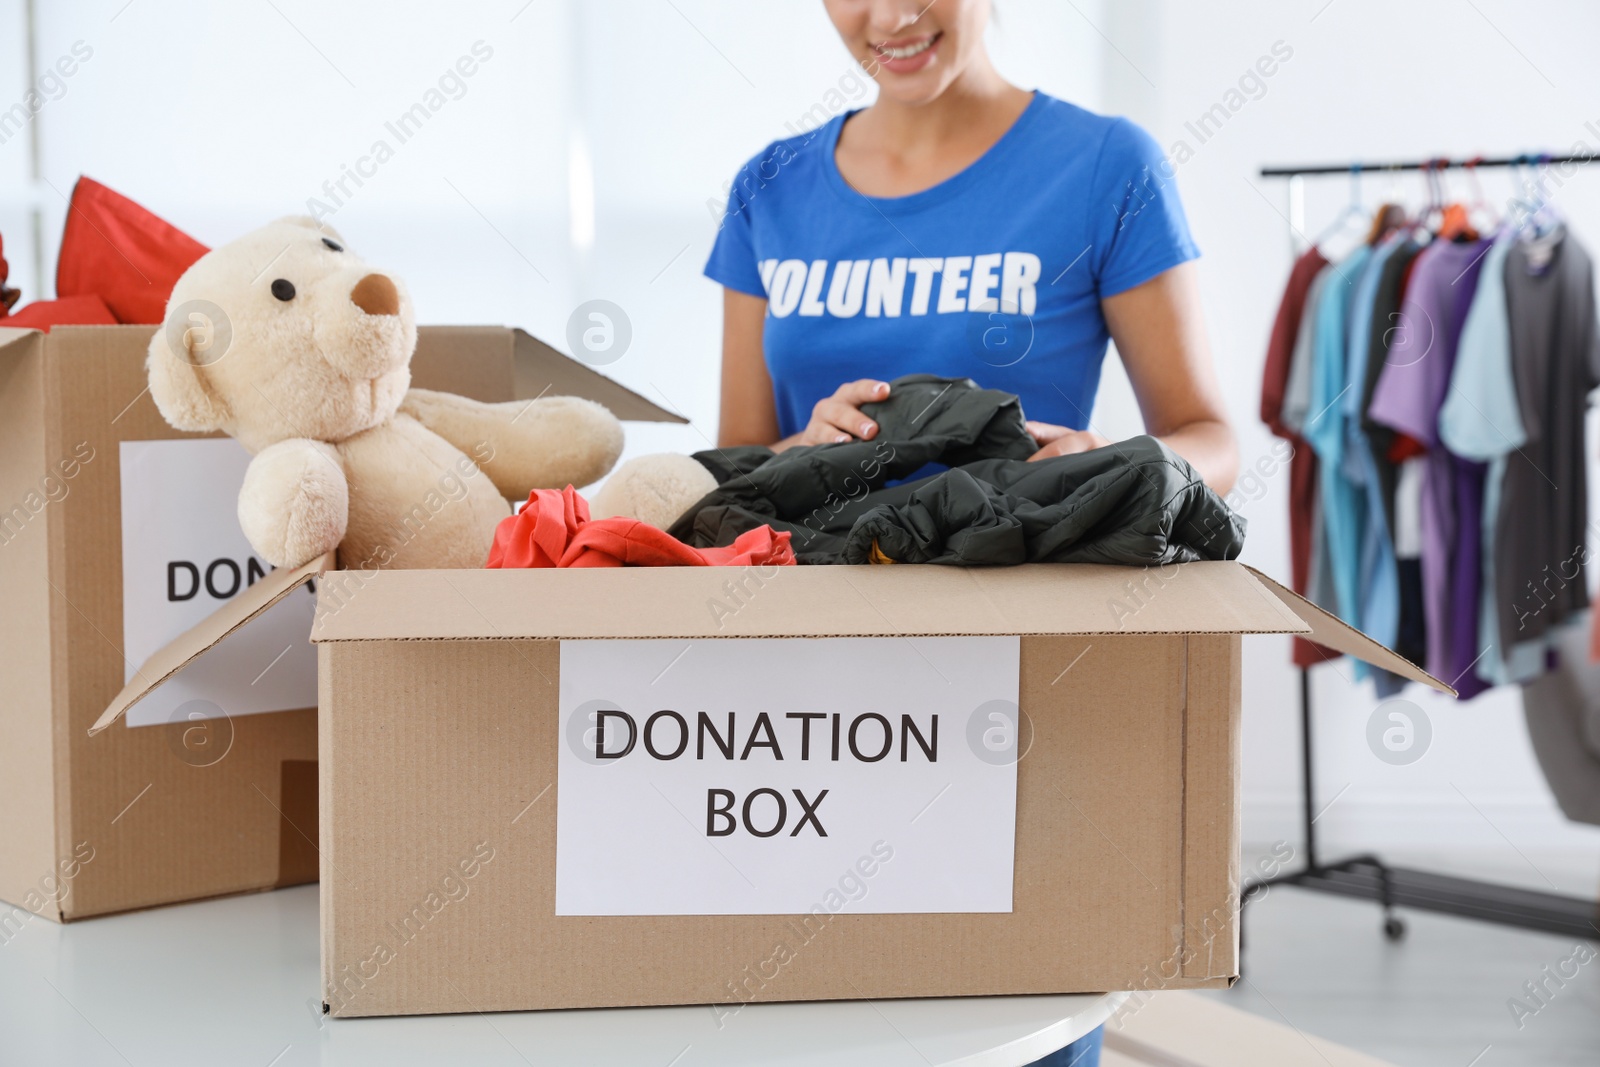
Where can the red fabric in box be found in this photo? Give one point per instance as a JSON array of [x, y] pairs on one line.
[[553, 529], [116, 250], [72, 311]]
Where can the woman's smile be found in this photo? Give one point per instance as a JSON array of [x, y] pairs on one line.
[[909, 54]]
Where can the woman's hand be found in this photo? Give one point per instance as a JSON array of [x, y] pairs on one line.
[[838, 417], [1060, 441]]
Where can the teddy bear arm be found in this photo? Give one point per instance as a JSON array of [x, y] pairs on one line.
[[295, 502], [523, 445]]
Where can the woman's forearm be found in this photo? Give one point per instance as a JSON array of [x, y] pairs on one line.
[[1211, 449]]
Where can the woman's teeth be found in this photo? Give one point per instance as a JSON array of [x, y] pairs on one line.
[[909, 50]]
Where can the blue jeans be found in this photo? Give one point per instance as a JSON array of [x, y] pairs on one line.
[[1084, 1052]]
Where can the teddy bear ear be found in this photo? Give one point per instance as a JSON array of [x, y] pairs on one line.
[[311, 224], [180, 394]]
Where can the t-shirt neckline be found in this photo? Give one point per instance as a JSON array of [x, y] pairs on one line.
[[976, 171], [1549, 246]]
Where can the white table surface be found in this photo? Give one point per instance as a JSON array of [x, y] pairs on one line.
[[235, 981]]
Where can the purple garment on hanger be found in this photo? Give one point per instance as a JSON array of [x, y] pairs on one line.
[[1410, 391]]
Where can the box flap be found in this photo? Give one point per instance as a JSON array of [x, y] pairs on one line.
[[693, 602], [11, 335], [1332, 632], [188, 647], [541, 370]]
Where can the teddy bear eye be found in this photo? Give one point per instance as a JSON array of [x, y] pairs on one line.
[[335, 245], [283, 289]]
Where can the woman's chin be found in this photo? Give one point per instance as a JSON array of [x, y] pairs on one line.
[[916, 90]]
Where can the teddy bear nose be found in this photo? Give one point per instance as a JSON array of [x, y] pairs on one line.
[[376, 295]]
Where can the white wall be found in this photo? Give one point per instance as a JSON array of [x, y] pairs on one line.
[[16, 224], [219, 117]]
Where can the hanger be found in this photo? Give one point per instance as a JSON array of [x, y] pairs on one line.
[[1389, 217], [1352, 210], [1520, 207], [1535, 216], [1480, 202], [1422, 224], [1455, 222]]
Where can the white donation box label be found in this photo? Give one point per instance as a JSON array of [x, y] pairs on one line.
[[779, 776], [183, 556]]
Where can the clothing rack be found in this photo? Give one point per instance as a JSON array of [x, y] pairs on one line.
[[1365, 876], [1427, 164]]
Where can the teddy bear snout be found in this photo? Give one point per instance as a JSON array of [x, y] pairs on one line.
[[376, 295]]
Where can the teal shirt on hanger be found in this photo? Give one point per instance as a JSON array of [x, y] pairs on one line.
[[1343, 503]]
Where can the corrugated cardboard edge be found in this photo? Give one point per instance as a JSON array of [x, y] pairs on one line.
[[31, 769], [830, 601], [541, 370], [327, 838], [1332, 632], [1213, 701], [178, 654]]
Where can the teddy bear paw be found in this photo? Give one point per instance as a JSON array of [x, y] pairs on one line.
[[295, 502], [653, 489]]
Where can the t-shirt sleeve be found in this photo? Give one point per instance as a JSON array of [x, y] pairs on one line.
[[733, 255], [1136, 220], [1480, 418]]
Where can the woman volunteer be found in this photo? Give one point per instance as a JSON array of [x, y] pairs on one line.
[[964, 227]]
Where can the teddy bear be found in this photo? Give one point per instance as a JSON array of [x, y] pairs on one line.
[[290, 343]]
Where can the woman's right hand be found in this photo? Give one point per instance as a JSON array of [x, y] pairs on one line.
[[838, 418]]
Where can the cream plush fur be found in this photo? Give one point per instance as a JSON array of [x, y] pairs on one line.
[[654, 489], [308, 366]]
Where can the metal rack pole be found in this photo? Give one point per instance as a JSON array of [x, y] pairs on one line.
[[1308, 793], [1440, 163]]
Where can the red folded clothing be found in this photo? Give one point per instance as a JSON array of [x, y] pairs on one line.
[[114, 249], [554, 530], [118, 263], [68, 311]]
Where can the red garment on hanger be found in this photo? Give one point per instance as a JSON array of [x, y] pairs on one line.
[[1303, 464], [554, 530]]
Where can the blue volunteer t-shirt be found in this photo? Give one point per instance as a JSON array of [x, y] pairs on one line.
[[995, 274]]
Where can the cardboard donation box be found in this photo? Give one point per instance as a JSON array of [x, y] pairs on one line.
[[117, 535], [557, 789]]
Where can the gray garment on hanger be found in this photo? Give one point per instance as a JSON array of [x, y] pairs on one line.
[[1297, 388], [1540, 542], [1562, 709]]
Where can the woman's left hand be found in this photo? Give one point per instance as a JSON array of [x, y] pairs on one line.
[[1060, 441]]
